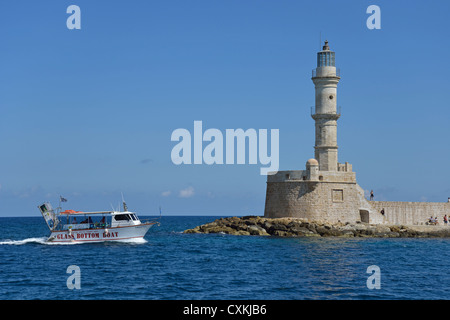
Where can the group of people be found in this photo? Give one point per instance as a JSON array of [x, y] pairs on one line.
[[435, 220]]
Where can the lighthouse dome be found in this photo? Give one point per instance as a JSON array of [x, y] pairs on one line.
[[312, 162]]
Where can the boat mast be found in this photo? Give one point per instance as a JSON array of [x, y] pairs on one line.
[[58, 211], [125, 208]]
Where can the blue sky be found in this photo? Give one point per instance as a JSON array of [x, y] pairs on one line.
[[89, 113]]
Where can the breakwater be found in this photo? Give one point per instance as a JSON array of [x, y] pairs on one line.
[[294, 227]]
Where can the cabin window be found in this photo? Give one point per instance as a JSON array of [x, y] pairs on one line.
[[133, 216], [122, 217]]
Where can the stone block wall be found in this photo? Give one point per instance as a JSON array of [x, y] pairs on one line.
[[411, 213], [335, 197]]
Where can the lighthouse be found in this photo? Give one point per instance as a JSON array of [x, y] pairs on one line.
[[328, 190], [325, 78]]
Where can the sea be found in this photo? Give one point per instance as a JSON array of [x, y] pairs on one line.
[[172, 265]]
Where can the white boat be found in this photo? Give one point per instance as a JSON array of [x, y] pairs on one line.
[[71, 226]]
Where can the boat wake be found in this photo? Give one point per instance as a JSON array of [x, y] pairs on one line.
[[42, 240], [136, 240]]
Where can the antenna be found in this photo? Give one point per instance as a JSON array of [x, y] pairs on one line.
[[320, 39], [125, 208], [159, 223]]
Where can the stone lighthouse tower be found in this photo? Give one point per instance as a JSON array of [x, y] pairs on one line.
[[326, 78], [326, 190]]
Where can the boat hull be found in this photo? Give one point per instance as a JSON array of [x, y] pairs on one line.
[[122, 233]]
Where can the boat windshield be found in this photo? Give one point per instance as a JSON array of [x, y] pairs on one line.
[[125, 217]]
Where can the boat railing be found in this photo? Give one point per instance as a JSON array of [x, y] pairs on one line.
[[152, 221], [77, 226]]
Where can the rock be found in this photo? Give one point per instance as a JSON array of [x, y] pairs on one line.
[[257, 231], [347, 234], [334, 232], [219, 229], [239, 226], [368, 231], [348, 227], [277, 227], [194, 230], [392, 234], [250, 222], [311, 227], [360, 226], [293, 227], [300, 230], [382, 229], [242, 233], [312, 234], [279, 233], [321, 230], [208, 225], [249, 218]]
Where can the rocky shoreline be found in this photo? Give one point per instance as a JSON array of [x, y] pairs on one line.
[[293, 227]]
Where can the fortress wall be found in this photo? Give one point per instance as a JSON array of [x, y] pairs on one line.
[[411, 213], [288, 199], [336, 198]]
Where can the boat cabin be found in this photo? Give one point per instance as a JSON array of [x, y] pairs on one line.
[[74, 220]]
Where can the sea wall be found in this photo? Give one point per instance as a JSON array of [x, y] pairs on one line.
[[336, 197], [295, 227], [411, 213]]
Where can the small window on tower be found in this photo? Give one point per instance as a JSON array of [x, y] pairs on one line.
[[337, 195]]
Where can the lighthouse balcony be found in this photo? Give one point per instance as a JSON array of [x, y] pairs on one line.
[[332, 115], [306, 176], [324, 72]]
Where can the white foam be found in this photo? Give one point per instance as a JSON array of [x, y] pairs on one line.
[[42, 240], [134, 240]]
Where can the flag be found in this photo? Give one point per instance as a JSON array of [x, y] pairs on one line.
[[62, 199]]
